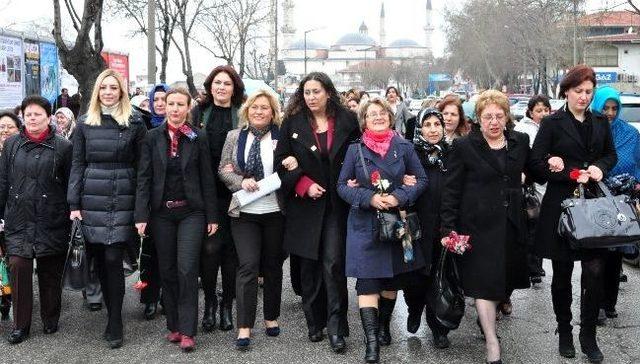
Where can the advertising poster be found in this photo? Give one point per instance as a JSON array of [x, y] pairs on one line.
[[118, 63], [11, 58], [49, 72], [32, 67]]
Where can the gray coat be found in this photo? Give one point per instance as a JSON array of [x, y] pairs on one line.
[[103, 178]]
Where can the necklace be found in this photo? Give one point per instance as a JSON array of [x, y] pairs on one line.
[[502, 144]]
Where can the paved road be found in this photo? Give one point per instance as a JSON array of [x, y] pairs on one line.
[[527, 336]]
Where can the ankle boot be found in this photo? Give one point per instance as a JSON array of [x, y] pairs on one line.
[[565, 341], [370, 325], [209, 316], [385, 307], [589, 344], [226, 317]]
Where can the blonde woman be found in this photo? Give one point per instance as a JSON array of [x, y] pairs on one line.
[[102, 186], [257, 228]]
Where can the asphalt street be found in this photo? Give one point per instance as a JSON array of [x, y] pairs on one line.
[[527, 335]]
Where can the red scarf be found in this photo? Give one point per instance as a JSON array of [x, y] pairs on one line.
[[378, 142], [37, 138], [174, 135]]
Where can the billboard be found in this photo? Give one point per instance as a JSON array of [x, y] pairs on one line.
[[119, 63], [49, 74], [32, 67], [11, 60]]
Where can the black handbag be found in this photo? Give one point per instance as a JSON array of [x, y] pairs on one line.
[[76, 268], [601, 222], [391, 222], [531, 201], [446, 299]]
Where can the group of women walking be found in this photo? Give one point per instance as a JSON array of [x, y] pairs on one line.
[[317, 180]]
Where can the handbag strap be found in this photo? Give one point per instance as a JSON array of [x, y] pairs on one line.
[[364, 164], [605, 189]]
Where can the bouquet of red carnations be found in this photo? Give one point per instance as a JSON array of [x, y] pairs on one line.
[[456, 243]]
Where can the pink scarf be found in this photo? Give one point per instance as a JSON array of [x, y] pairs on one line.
[[378, 142]]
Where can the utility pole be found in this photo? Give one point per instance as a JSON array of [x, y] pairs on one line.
[[275, 42], [151, 43], [575, 32]]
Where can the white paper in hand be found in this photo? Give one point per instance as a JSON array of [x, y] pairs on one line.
[[266, 186]]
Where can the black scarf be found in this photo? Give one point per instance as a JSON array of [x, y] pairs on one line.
[[433, 153], [254, 167]]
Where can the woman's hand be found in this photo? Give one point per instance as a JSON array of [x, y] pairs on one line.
[[595, 173], [211, 229], [390, 201], [444, 241], [228, 168], [377, 202], [584, 176], [290, 163], [141, 227], [249, 185], [353, 183], [315, 191], [409, 180], [75, 214], [556, 164]]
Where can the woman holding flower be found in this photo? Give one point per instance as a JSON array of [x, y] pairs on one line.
[[482, 198], [379, 163]]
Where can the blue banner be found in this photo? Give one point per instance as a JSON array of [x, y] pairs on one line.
[[606, 77], [49, 72], [439, 77]]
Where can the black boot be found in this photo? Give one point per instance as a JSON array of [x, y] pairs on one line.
[[414, 318], [226, 317], [5, 307], [370, 325], [150, 310], [385, 307], [565, 341], [589, 344], [209, 316]]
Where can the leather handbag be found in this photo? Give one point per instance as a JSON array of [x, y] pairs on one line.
[[601, 222], [392, 221], [76, 268], [446, 299]]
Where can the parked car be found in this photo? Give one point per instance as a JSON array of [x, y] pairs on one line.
[[415, 106], [519, 110], [556, 104], [630, 109]]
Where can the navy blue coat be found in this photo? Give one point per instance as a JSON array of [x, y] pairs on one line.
[[366, 257]]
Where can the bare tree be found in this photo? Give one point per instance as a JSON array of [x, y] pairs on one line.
[[82, 60], [233, 28], [375, 73], [166, 16]]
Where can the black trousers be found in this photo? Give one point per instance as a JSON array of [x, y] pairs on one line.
[[218, 253], [50, 270], [93, 291], [533, 261], [108, 263], [258, 241], [591, 283], [179, 233], [612, 268], [324, 284], [149, 271]]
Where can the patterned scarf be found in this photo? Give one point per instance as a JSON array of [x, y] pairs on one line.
[[254, 167], [434, 152], [378, 142], [174, 135]]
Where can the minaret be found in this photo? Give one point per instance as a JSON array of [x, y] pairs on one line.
[[428, 28], [383, 34], [288, 30]]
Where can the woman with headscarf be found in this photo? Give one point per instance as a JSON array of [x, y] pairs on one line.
[[65, 122], [432, 149]]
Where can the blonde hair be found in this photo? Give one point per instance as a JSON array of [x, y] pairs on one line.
[[243, 113], [493, 97], [364, 107], [122, 113]]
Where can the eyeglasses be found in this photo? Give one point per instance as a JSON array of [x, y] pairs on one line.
[[375, 115], [489, 117]]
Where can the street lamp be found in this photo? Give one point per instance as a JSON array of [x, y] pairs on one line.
[[305, 46]]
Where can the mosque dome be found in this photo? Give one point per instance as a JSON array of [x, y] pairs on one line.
[[298, 45], [404, 43], [355, 39]]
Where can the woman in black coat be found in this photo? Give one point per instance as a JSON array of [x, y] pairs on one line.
[[177, 185], [482, 198], [106, 149], [432, 149], [34, 172], [217, 115], [316, 132], [577, 139]]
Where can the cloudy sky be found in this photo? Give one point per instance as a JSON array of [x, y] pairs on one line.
[[404, 19]]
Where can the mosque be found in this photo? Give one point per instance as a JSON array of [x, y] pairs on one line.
[[343, 61]]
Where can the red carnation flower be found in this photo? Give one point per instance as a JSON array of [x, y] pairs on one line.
[[140, 285], [574, 174], [375, 177]]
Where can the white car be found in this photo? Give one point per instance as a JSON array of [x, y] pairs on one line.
[[415, 106], [630, 109], [519, 109]]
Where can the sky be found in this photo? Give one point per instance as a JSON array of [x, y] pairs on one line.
[[404, 19]]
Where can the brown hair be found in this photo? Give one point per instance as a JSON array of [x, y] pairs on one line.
[[243, 113], [454, 100], [576, 75], [238, 86], [384, 104]]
